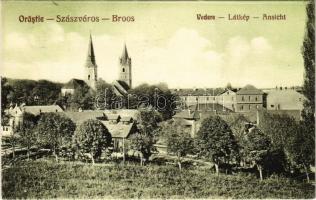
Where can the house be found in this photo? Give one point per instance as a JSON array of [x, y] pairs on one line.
[[198, 95], [284, 99], [120, 132], [195, 114], [15, 115], [120, 123], [249, 99], [71, 86], [228, 99], [80, 117]]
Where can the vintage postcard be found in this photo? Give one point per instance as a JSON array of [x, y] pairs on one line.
[[157, 99]]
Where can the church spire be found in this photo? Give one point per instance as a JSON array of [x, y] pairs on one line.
[[91, 56], [124, 56]]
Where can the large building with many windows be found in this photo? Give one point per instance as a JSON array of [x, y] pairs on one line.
[[249, 99]]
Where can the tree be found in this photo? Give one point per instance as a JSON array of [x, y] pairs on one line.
[[257, 148], [148, 122], [144, 144], [239, 126], [216, 141], [306, 136], [179, 141], [5, 90], [104, 96], [302, 149], [308, 51], [158, 97], [28, 136], [280, 129], [54, 131], [91, 137]]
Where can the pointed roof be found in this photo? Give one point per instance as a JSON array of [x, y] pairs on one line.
[[249, 89], [124, 56], [91, 57]]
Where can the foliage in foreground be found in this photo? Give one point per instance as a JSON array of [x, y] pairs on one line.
[[46, 179]]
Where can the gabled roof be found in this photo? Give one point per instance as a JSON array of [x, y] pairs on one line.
[[79, 117], [120, 88], [249, 89], [74, 84], [36, 110], [119, 130], [233, 91]]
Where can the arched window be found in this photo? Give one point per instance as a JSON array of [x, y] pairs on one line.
[[123, 69], [88, 77]]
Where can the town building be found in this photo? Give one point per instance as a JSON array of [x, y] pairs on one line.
[[249, 99], [284, 99], [228, 99]]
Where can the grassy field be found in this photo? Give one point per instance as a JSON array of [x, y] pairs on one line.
[[47, 179]]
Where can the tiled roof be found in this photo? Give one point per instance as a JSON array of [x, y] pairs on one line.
[[35, 110], [120, 87], [249, 89], [198, 91], [112, 116], [119, 130], [126, 119], [134, 113], [79, 117], [74, 84]]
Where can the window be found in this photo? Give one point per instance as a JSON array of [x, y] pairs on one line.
[[256, 98], [272, 106], [197, 98], [241, 107], [249, 98], [243, 98], [249, 107], [206, 98], [88, 77], [123, 70], [56, 110], [300, 99]]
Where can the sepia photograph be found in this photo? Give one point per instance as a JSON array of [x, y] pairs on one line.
[[157, 99]]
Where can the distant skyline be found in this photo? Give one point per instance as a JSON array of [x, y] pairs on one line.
[[166, 43]]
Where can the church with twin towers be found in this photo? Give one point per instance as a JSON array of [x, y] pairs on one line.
[[120, 86]]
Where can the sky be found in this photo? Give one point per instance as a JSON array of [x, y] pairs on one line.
[[166, 42]]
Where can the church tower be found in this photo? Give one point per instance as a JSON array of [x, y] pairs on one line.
[[125, 73], [91, 75]]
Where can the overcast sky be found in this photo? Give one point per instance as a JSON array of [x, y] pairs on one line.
[[166, 43]]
